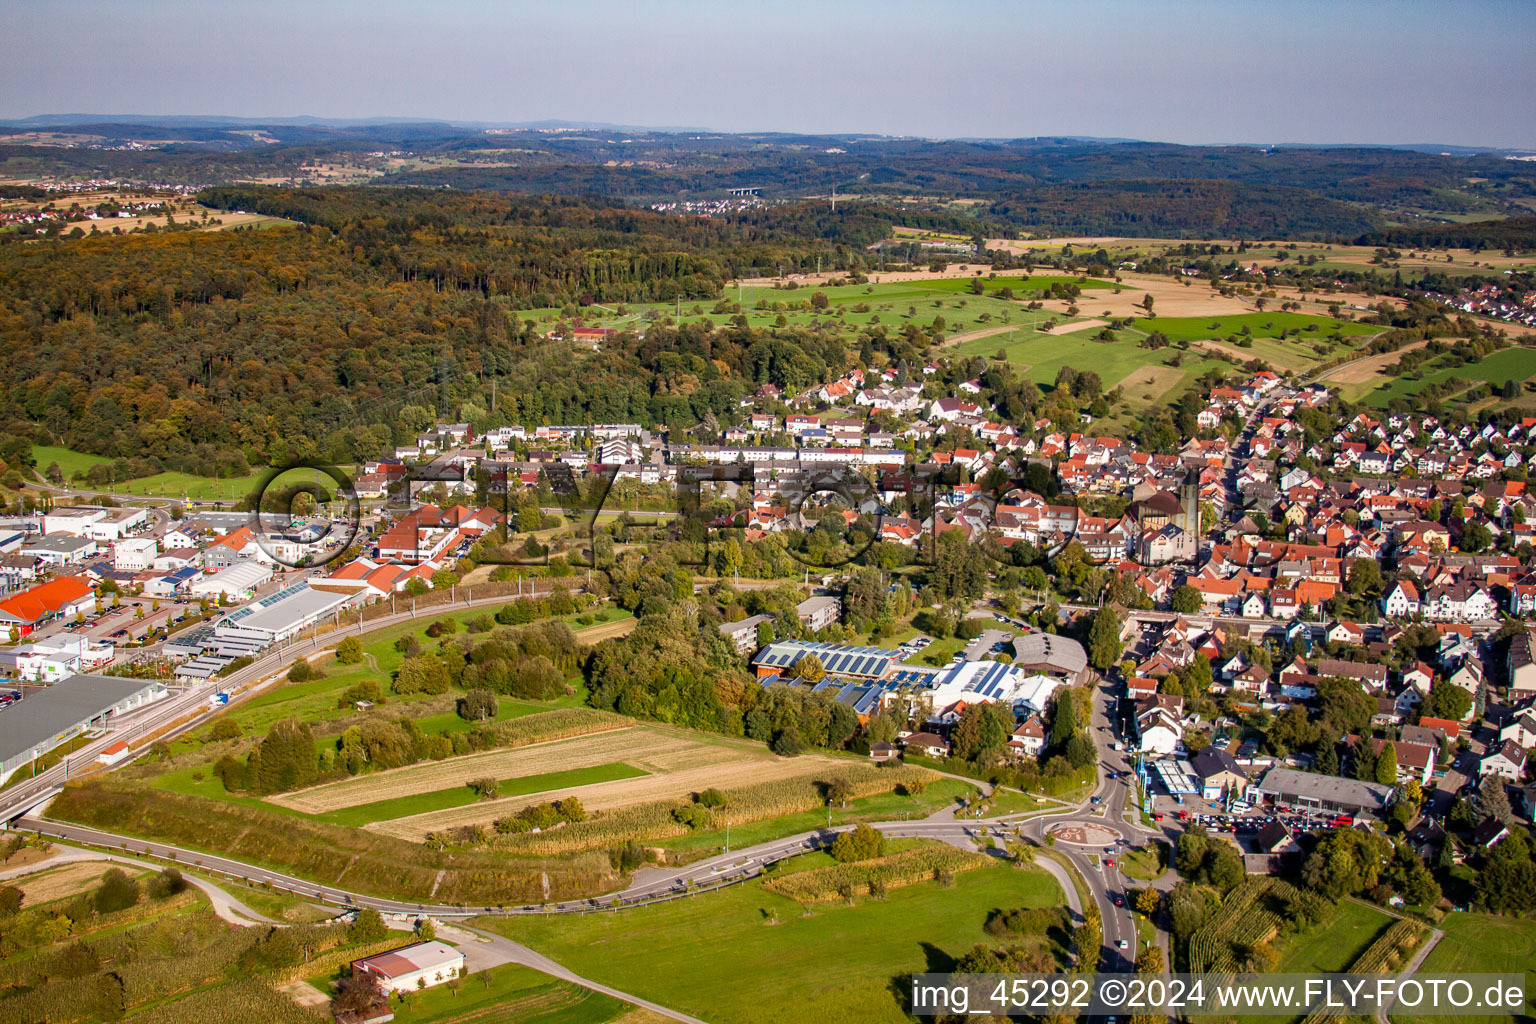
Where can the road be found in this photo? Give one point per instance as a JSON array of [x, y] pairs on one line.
[[653, 885], [1107, 807]]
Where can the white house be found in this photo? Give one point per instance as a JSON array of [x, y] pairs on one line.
[[1505, 760], [1401, 601]]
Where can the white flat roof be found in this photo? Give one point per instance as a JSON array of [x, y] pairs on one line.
[[286, 609]]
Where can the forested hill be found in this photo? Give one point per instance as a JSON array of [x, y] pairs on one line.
[[1515, 233], [1200, 209], [206, 351], [1041, 184]]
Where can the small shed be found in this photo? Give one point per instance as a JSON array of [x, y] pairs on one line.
[[114, 754]]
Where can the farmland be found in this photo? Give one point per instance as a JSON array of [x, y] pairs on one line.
[[513, 994], [852, 307], [63, 882], [1250, 914], [1476, 944], [651, 749], [1335, 943], [1510, 364], [457, 796], [1151, 376], [779, 958], [676, 765]]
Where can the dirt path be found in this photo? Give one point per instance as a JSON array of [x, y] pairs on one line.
[[1079, 325], [606, 631], [1407, 972]]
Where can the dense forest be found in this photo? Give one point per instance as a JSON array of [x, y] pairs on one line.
[[1150, 208], [1515, 233]]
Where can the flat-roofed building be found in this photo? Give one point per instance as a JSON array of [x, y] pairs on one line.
[[778, 659], [237, 582], [49, 716], [277, 616], [743, 633], [1308, 791]]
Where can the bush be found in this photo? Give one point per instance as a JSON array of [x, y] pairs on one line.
[[367, 690], [368, 927], [694, 816], [478, 705], [485, 788], [712, 798], [863, 843], [349, 651], [542, 816], [302, 672], [788, 743], [167, 883], [117, 892], [422, 673], [224, 729], [481, 624], [10, 900]]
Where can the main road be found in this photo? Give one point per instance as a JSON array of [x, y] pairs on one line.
[[1105, 809]]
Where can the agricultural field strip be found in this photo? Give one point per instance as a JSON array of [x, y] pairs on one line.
[[458, 796], [57, 883], [645, 749], [610, 795]]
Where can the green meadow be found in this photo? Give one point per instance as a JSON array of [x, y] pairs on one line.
[[749, 956]]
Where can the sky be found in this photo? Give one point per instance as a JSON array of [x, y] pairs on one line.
[[1186, 71]]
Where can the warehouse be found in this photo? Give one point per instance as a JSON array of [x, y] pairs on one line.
[[279, 616], [49, 716], [411, 967], [1048, 654]]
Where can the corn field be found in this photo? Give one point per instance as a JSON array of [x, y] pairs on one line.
[[332, 854], [1390, 949], [839, 881], [238, 1001], [1246, 918]]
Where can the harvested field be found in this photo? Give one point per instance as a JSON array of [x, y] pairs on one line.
[[1150, 383], [1365, 370], [606, 796], [607, 630], [648, 749], [61, 883]]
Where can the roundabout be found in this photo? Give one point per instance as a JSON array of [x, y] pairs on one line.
[[1084, 833]]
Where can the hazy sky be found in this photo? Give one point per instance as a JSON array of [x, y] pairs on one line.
[[1194, 71]]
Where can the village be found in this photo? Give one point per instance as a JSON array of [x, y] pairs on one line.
[[1264, 561]]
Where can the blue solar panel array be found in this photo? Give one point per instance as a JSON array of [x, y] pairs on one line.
[[837, 659]]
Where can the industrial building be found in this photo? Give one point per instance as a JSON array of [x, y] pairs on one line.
[[53, 714], [274, 618]]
